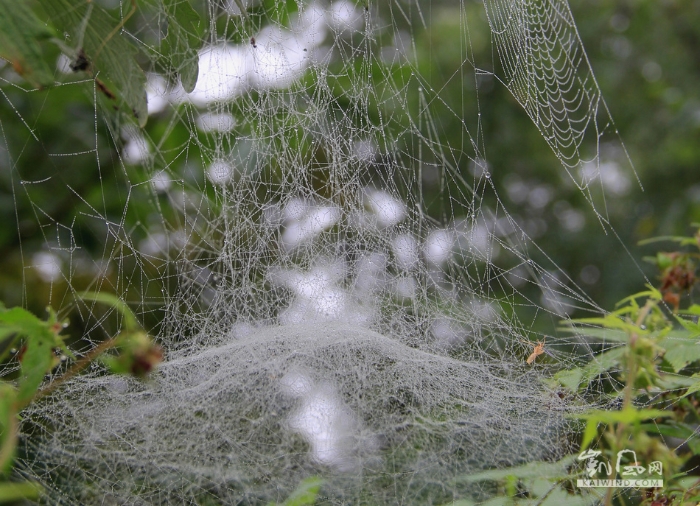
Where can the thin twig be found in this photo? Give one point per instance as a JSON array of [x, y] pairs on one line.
[[77, 367]]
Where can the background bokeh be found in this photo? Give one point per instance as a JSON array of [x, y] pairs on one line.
[[646, 58]]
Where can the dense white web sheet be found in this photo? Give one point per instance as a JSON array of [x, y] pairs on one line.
[[341, 299]]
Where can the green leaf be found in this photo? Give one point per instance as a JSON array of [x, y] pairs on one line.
[[652, 293], [11, 492], [306, 493], [604, 334], [183, 41], [20, 33], [560, 496], [693, 310], [549, 470], [611, 321], [681, 431], [629, 415], [694, 388], [580, 377], [108, 53], [674, 382], [38, 359], [8, 433], [682, 240], [570, 378], [38, 356], [7, 399], [690, 326], [589, 433], [680, 352]]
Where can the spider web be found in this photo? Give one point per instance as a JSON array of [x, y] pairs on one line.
[[546, 69], [314, 236]]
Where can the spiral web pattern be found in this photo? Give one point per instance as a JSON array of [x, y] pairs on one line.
[[545, 67], [339, 299]]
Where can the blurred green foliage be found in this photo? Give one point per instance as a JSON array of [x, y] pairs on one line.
[[644, 54]]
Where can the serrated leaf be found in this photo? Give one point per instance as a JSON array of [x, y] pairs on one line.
[[674, 382], [21, 321], [694, 388], [183, 41], [680, 352], [109, 54], [602, 363], [690, 326], [20, 33], [580, 377]]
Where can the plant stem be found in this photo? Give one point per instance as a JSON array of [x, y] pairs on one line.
[[77, 367], [631, 360], [631, 374], [10, 443]]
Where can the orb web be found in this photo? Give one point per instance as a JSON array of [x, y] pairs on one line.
[[545, 67]]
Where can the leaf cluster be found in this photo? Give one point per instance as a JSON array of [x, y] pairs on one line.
[[648, 370], [96, 48], [38, 347]]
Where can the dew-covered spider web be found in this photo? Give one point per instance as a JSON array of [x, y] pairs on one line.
[[314, 237]]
